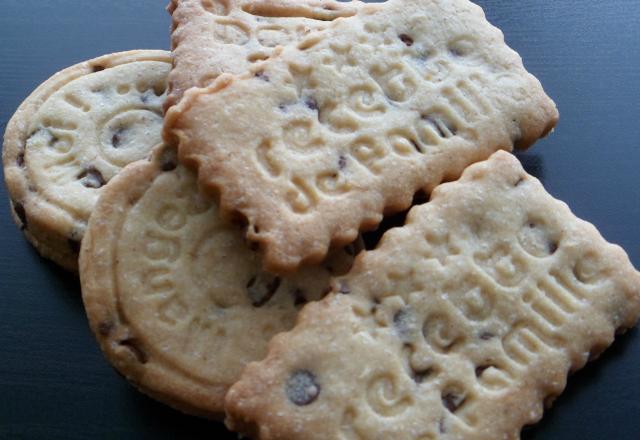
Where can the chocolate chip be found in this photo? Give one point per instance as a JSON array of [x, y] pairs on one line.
[[301, 388], [133, 345], [552, 247], [74, 245], [20, 160], [404, 322], [116, 139], [21, 213], [342, 162], [452, 401], [344, 288], [92, 178], [98, 68], [406, 39], [485, 336], [416, 146], [261, 75], [311, 103], [519, 182], [261, 289], [104, 328]]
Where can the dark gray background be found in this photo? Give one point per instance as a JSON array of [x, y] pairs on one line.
[[54, 382]]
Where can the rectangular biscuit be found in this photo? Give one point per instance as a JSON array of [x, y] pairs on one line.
[[461, 324], [211, 37], [319, 140]]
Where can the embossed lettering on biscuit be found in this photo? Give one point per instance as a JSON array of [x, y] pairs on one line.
[[463, 323], [211, 37], [74, 134], [191, 306], [398, 90]]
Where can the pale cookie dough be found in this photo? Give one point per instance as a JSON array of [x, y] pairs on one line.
[[72, 135], [174, 295], [211, 37], [319, 141], [460, 325]]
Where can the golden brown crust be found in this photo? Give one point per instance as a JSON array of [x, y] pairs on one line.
[[117, 339], [318, 141], [461, 324], [55, 232]]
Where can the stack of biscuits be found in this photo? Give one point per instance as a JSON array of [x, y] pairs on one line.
[[212, 201]]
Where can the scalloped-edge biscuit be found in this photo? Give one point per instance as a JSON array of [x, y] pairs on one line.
[[320, 140], [175, 297], [211, 37], [72, 135], [461, 325]]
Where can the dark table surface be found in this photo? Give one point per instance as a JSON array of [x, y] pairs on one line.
[[54, 382]]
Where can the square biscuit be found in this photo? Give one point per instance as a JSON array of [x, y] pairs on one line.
[[461, 324], [318, 141]]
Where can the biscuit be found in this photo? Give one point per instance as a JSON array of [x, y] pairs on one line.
[[461, 324], [72, 135], [175, 297], [320, 140], [211, 37]]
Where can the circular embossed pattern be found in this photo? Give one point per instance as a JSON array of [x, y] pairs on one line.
[[176, 298], [72, 135]]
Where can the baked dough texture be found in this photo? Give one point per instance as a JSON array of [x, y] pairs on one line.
[[330, 133], [461, 325], [211, 37], [72, 135], [175, 297]]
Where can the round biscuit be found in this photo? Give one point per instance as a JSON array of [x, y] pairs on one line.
[[175, 296], [72, 135]]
